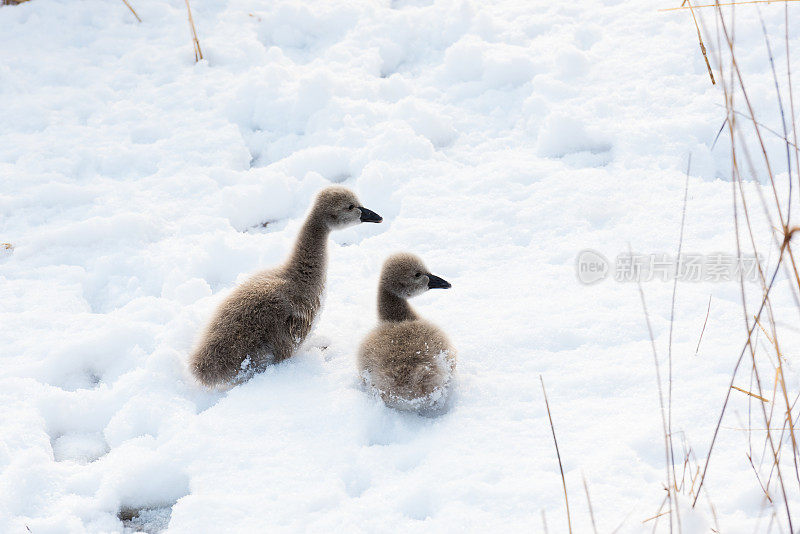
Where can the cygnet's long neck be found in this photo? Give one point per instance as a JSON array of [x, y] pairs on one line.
[[393, 308], [309, 259]]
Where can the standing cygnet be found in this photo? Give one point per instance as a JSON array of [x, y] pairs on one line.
[[266, 318], [407, 360]]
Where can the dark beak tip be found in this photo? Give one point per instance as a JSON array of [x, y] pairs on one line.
[[435, 282], [369, 215]]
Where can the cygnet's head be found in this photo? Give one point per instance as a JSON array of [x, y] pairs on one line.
[[405, 276], [338, 208]]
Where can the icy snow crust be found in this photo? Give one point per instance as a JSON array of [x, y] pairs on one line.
[[497, 140]]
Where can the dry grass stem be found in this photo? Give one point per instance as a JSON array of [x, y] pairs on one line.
[[736, 179], [759, 397], [778, 436], [672, 323], [132, 11], [760, 125], [198, 54], [667, 449], [589, 501], [697, 349], [655, 517], [558, 454], [702, 46], [683, 6]]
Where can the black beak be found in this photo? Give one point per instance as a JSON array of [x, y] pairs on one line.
[[434, 282], [369, 215]]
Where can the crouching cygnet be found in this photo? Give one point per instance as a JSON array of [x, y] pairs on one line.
[[407, 360], [266, 318]]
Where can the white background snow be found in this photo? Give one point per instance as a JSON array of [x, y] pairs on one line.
[[497, 139]]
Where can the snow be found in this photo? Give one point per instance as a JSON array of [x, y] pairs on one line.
[[497, 140]]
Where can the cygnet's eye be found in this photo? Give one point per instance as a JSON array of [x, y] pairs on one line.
[[352, 206], [418, 274]]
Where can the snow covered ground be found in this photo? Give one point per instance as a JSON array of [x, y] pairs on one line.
[[497, 139]]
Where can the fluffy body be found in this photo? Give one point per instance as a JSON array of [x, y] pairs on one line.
[[268, 317], [406, 360], [409, 364], [262, 321]]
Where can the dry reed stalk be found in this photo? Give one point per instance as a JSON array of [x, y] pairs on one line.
[[763, 330], [787, 236], [672, 322], [198, 54], [760, 125], [687, 457], [787, 232], [783, 116], [788, 420], [655, 517], [724, 123], [737, 181], [694, 479], [589, 501], [759, 397], [748, 429], [697, 349], [765, 308], [733, 377], [791, 93], [132, 11], [784, 225], [667, 448], [702, 46], [682, 6], [558, 454]]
